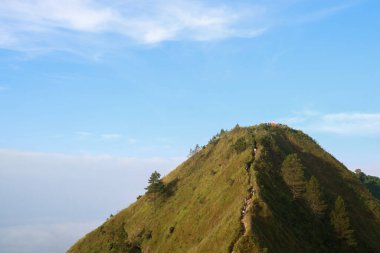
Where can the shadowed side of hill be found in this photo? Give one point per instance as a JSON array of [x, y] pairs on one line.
[[281, 222]]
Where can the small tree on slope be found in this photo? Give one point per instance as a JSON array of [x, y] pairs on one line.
[[341, 223], [293, 175], [155, 184], [314, 197]]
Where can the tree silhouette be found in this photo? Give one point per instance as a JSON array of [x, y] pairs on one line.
[[341, 223], [293, 175], [314, 196], [155, 184], [194, 151]]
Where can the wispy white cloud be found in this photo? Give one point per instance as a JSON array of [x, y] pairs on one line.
[[325, 11], [6, 38], [46, 14], [132, 140], [349, 123], [147, 21], [84, 135], [40, 25], [110, 136], [19, 160]]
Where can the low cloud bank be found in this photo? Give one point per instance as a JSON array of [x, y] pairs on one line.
[[43, 238], [61, 192]]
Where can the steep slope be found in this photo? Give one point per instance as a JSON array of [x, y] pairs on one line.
[[229, 197], [289, 224]]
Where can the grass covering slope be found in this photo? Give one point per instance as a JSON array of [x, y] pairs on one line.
[[201, 210], [289, 224]]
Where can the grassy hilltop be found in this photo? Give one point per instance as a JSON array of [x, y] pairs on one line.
[[237, 195]]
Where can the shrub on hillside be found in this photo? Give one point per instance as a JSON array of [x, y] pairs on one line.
[[240, 145], [194, 151], [155, 184]]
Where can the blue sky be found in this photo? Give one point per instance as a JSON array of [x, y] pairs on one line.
[[95, 95]]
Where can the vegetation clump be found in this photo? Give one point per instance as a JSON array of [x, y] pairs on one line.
[[341, 223], [121, 243], [215, 138], [314, 197], [293, 174], [240, 145], [372, 183], [155, 184], [192, 152]]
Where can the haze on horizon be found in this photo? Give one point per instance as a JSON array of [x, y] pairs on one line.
[[95, 95]]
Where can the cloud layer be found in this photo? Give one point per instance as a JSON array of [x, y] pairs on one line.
[[44, 195], [43, 238], [347, 123], [38, 22], [43, 25]]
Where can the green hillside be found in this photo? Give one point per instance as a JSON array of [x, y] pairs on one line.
[[372, 183], [266, 188]]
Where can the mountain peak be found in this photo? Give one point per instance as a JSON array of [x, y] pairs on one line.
[[235, 195]]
